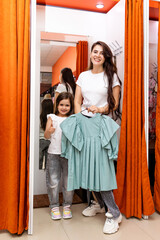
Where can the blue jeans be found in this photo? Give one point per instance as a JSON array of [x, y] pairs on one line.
[[57, 166]]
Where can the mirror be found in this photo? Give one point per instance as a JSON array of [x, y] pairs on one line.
[[55, 54], [152, 96]]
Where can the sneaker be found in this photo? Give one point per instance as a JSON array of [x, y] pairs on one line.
[[109, 214], [93, 209], [55, 213], [112, 224], [67, 212]]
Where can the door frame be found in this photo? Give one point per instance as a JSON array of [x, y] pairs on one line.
[[33, 110]]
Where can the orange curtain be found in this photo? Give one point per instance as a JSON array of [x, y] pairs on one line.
[[153, 4], [133, 195], [157, 145], [82, 57], [14, 114]]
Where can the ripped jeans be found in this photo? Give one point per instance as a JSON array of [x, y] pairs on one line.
[[57, 166]]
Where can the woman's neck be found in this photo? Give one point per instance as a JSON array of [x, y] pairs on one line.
[[97, 69]]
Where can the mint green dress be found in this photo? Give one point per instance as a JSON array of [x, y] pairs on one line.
[[90, 145]]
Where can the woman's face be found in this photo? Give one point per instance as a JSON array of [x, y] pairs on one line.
[[97, 57]]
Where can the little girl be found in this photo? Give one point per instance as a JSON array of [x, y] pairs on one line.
[[57, 165]]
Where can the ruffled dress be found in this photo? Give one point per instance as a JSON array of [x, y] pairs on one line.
[[90, 145]]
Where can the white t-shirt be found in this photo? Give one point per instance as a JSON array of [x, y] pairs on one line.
[[55, 145], [62, 88], [94, 88]]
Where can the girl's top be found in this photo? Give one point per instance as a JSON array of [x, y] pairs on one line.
[[62, 88], [90, 145], [94, 89], [55, 145]]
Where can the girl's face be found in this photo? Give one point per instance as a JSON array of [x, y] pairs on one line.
[[64, 107], [97, 57]]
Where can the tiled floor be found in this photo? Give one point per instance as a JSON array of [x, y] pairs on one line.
[[87, 228]]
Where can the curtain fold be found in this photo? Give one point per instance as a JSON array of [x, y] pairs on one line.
[[14, 117], [82, 57], [133, 195], [157, 144]]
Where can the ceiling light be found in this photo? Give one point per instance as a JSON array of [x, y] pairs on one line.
[[100, 5]]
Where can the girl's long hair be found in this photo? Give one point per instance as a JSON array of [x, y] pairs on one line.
[[68, 79], [62, 96], [109, 70], [47, 108]]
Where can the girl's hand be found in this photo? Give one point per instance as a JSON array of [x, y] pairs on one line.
[[49, 128]]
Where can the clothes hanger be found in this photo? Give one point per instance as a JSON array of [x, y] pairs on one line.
[[83, 110], [84, 114]]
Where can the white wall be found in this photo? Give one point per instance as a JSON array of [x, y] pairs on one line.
[[115, 25], [153, 45], [98, 26], [153, 32]]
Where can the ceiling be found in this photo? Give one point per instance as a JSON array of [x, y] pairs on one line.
[[90, 5], [51, 51], [50, 54]]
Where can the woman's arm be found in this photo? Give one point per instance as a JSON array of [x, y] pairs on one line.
[[55, 97], [116, 95], [78, 99], [49, 129]]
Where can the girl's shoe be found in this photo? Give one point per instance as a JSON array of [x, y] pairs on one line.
[[67, 212], [55, 213]]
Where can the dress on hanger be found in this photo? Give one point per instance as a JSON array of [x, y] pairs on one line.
[[90, 145]]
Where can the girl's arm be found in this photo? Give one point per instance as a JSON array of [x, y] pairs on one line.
[[49, 129], [78, 99]]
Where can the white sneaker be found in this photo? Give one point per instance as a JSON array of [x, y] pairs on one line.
[[109, 214], [112, 224], [93, 209]]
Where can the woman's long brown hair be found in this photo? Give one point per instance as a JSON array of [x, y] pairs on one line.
[[67, 77], [109, 69]]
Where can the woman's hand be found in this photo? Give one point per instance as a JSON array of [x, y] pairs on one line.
[[93, 109]]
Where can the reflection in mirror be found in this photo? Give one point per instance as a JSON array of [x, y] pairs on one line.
[[54, 57], [55, 54]]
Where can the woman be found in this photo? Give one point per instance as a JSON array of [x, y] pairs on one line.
[[67, 83], [98, 91]]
